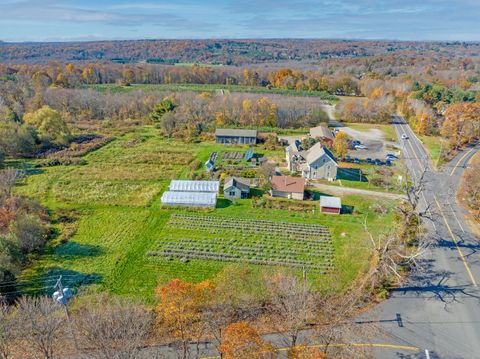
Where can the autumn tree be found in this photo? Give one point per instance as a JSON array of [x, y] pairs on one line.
[[241, 340], [179, 309], [340, 144], [305, 352], [461, 124], [49, 125]]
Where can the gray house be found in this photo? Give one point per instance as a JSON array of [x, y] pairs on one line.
[[320, 164], [236, 188], [236, 136]]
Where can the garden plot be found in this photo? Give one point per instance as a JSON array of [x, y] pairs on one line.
[[233, 156], [259, 242]]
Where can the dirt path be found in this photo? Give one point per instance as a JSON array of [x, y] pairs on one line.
[[347, 190]]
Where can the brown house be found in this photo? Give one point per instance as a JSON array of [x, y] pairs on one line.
[[288, 187]]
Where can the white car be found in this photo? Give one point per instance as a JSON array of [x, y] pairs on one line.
[[361, 147], [405, 137]]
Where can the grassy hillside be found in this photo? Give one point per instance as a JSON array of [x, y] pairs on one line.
[[109, 217]]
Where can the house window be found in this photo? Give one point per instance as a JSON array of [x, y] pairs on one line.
[[232, 193]]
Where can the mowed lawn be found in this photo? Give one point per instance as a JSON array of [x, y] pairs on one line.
[[109, 217]]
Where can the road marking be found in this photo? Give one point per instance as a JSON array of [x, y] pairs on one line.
[[467, 267], [460, 160], [455, 215], [427, 354], [386, 346]]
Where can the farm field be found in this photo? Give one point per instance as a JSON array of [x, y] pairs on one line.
[[110, 223], [212, 88], [433, 144]]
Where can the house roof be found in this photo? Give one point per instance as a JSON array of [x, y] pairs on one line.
[[322, 132], [235, 132], [330, 202], [318, 151], [288, 184], [194, 186], [241, 183]]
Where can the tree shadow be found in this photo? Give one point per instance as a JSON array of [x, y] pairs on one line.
[[347, 209], [73, 250], [223, 203], [351, 174]]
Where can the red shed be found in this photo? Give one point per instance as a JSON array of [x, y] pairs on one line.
[[330, 204]]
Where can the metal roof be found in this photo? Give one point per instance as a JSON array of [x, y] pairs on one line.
[[321, 131], [331, 202], [241, 183], [288, 184], [233, 132], [194, 199], [318, 151], [194, 186]]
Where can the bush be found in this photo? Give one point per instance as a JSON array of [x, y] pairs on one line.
[[30, 233], [2, 157]]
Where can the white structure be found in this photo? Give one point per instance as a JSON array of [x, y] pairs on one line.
[[316, 163], [191, 199], [330, 204], [194, 186]]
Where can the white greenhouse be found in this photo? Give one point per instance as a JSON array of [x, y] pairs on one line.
[[194, 186], [190, 199]]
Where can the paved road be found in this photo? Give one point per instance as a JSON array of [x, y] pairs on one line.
[[438, 310]]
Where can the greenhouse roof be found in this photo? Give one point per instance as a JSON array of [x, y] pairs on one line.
[[194, 186], [194, 199]]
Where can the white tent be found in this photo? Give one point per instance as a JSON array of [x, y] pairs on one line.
[[192, 199], [194, 186]]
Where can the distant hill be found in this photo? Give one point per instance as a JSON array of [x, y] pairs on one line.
[[227, 52]]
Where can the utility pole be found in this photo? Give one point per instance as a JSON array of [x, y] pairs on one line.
[[61, 296]]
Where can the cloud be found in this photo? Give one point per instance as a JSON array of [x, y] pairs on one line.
[[56, 11]]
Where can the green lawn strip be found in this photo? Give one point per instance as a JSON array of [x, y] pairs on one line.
[[433, 144], [212, 88]]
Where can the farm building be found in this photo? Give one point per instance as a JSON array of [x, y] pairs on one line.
[[194, 186], [236, 188], [189, 199], [288, 187], [330, 204], [323, 133], [236, 136], [316, 163]]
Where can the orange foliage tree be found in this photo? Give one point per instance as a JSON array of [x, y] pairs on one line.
[[462, 123], [241, 340], [179, 309]]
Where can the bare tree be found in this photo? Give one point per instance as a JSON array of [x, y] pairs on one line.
[[292, 305], [41, 322], [113, 330], [8, 178], [7, 330]]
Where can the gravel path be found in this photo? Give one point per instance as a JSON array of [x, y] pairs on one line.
[[337, 190]]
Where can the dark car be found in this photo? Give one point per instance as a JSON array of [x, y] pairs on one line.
[[356, 143], [388, 163], [378, 162], [391, 157], [369, 160], [348, 158], [356, 160]]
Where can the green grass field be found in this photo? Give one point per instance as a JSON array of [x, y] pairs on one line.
[[109, 217], [212, 88], [433, 144]]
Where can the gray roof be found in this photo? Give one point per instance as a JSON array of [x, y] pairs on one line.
[[321, 131], [331, 202], [242, 184], [233, 132], [194, 186], [318, 151]]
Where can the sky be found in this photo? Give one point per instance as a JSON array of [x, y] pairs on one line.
[[66, 20]]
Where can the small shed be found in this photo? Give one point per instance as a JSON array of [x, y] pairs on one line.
[[236, 187], [330, 204]]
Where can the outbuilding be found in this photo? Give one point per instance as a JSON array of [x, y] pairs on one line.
[[330, 204], [288, 187], [236, 187], [234, 136]]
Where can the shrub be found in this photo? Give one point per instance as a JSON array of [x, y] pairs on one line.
[[30, 233]]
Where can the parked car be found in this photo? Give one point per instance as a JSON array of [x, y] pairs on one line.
[[369, 160], [388, 163], [356, 160], [391, 157], [360, 147], [378, 162], [405, 136], [356, 142], [348, 158]]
